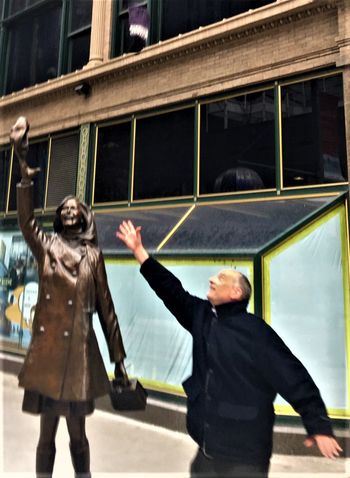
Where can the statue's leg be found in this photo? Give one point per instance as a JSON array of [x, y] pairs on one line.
[[46, 450], [79, 446]]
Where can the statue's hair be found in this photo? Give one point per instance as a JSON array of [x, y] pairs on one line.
[[89, 232]]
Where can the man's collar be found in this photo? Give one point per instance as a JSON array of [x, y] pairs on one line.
[[230, 308]]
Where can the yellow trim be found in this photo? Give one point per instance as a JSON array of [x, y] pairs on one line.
[[133, 129], [114, 122], [237, 94], [237, 193], [341, 211], [346, 282], [310, 77], [288, 410], [141, 208], [279, 119], [322, 185], [9, 181], [162, 112], [48, 172], [170, 198], [198, 148], [271, 198], [94, 170], [175, 228]]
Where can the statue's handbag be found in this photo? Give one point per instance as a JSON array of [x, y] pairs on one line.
[[131, 397]]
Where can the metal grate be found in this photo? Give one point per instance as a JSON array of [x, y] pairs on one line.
[[63, 168]]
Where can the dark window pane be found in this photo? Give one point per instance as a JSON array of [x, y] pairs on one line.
[[15, 178], [1, 8], [34, 46], [313, 132], [80, 49], [181, 16], [81, 11], [164, 155], [237, 144], [5, 158], [112, 163], [16, 6], [63, 168], [37, 157], [125, 4]]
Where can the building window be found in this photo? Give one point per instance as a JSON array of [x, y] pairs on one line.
[[182, 16], [164, 155], [79, 34], [63, 168], [112, 163], [42, 40], [123, 43], [33, 48], [313, 132], [237, 144], [5, 161]]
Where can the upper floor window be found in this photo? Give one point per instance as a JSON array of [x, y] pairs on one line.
[[182, 16], [42, 40], [169, 18]]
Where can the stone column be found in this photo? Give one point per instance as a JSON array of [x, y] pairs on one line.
[[97, 32], [343, 61]]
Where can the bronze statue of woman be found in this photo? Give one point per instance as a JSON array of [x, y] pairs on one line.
[[63, 371]]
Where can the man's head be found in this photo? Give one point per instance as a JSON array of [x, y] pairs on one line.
[[228, 286]]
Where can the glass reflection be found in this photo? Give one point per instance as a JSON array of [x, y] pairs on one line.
[[112, 163], [164, 155], [38, 61], [237, 144], [313, 132]]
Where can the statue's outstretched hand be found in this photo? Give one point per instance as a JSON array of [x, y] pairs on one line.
[[19, 139]]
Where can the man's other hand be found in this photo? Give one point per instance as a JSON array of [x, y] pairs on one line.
[[328, 445]]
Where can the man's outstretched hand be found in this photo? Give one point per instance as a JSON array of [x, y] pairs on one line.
[[328, 445], [131, 237]]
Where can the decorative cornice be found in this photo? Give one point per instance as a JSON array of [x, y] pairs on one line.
[[227, 31]]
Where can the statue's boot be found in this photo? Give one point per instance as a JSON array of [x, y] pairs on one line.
[[45, 458], [81, 461]]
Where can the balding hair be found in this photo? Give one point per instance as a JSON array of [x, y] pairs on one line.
[[245, 285]]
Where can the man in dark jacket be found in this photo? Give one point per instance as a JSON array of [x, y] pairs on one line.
[[239, 365]]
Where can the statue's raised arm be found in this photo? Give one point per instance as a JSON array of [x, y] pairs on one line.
[[19, 139]]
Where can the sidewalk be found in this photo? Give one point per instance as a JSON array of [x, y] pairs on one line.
[[121, 447]]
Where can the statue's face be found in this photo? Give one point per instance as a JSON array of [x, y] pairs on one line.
[[18, 130], [71, 213]]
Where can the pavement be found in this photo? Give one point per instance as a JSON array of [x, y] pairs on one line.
[[123, 447]]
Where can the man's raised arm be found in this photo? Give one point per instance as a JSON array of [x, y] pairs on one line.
[[131, 237]]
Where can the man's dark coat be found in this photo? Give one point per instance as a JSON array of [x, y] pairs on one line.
[[239, 365]]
